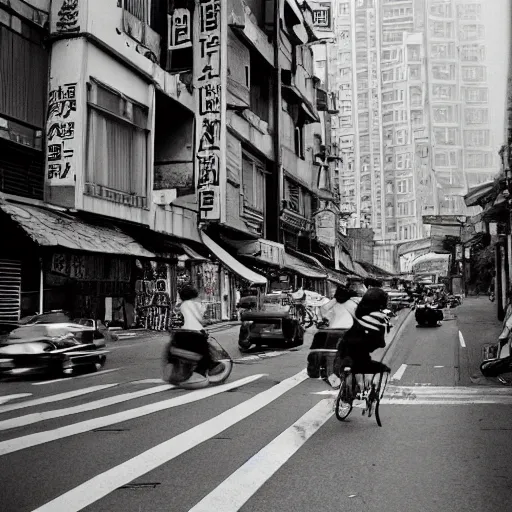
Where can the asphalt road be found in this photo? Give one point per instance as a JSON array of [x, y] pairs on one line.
[[120, 440]]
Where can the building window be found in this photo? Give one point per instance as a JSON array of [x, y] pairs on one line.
[[300, 140], [442, 51], [480, 160], [474, 73], [138, 8], [476, 138], [446, 114], [298, 198], [117, 155], [344, 8], [253, 183], [445, 159], [441, 9], [403, 186], [471, 32], [472, 53], [441, 29], [417, 118], [475, 94], [415, 72], [446, 136], [405, 208], [401, 137], [476, 116], [403, 161], [443, 92], [416, 95], [413, 52], [443, 71], [469, 11]]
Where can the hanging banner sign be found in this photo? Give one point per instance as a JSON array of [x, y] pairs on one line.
[[210, 32], [180, 25]]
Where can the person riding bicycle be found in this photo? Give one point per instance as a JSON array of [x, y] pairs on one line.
[[192, 339], [366, 335]]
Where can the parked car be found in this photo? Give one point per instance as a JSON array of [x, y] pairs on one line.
[[275, 324]]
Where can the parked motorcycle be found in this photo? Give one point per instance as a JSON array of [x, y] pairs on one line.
[[185, 365]]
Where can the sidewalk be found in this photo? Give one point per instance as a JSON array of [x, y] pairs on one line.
[[478, 326]]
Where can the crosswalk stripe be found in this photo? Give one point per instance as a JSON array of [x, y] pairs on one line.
[[8, 398], [68, 379], [99, 486], [55, 398], [237, 489], [29, 419], [20, 443]]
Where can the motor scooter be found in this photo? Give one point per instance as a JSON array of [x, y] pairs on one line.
[[428, 315], [497, 359], [194, 360]]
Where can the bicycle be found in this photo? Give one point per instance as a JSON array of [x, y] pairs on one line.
[[371, 393]]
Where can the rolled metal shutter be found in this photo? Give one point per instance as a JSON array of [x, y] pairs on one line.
[[10, 291]]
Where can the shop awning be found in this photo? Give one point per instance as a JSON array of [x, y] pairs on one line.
[[336, 277], [302, 268], [374, 270], [234, 265], [193, 255], [360, 271], [480, 193], [50, 228]]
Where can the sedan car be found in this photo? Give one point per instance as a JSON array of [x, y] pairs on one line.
[[51, 348]]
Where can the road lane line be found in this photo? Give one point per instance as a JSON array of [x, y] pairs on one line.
[[463, 401], [461, 340], [55, 398], [8, 398], [240, 486], [98, 487], [29, 419], [20, 443], [68, 379], [399, 373]]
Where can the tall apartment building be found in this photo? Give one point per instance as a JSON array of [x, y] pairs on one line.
[[418, 134]]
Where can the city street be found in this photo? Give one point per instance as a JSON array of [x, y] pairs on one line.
[[267, 440]]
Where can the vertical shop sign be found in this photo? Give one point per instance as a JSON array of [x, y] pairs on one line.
[[210, 32], [62, 108]]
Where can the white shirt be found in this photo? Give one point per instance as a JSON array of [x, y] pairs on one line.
[[193, 312], [339, 315]]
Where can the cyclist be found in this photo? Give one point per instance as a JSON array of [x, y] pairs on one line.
[[192, 338], [366, 336]]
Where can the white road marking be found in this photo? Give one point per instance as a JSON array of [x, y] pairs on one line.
[[55, 398], [107, 482], [29, 419], [8, 398], [44, 382], [148, 381], [262, 355], [463, 401], [461, 340], [332, 392], [20, 443], [438, 366], [399, 373], [237, 489]]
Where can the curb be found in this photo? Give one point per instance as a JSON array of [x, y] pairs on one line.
[[398, 328]]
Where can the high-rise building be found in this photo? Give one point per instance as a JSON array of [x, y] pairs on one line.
[[414, 122]]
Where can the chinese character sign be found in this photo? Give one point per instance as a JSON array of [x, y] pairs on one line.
[[209, 30], [60, 139], [65, 17], [180, 29]]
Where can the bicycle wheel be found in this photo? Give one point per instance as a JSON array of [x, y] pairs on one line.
[[344, 401]]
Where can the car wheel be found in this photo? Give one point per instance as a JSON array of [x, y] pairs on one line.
[[67, 367]]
